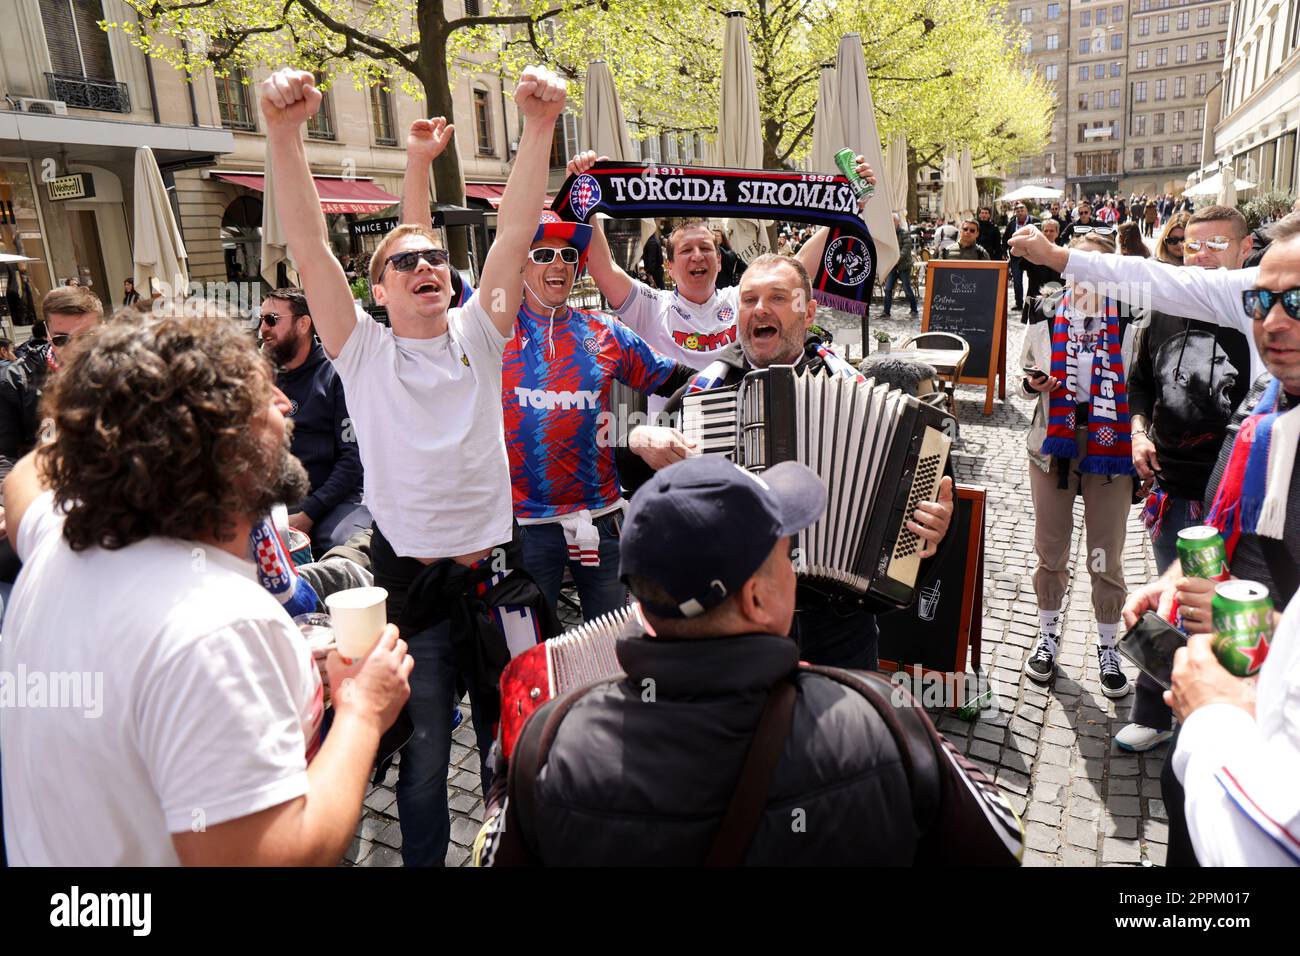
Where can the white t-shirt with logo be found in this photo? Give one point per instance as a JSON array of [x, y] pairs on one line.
[[147, 691], [672, 325], [429, 426]]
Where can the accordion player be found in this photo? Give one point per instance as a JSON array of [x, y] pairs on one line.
[[879, 451]]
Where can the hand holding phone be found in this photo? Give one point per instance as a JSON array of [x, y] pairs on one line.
[[1151, 644]]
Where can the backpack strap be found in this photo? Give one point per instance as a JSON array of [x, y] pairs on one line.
[[749, 799]]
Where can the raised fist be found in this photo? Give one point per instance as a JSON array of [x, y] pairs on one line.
[[289, 97], [540, 94], [428, 138]]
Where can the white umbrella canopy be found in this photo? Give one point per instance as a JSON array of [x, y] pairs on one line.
[[1213, 186], [275, 246], [159, 251], [857, 115], [826, 122], [950, 202], [1031, 192], [7, 257], [740, 137], [970, 190], [1228, 186], [896, 171], [604, 131]]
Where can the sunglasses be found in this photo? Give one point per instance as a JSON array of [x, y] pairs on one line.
[[58, 341], [1217, 243], [410, 261], [546, 255], [1259, 302], [1175, 241], [1099, 230], [270, 318]]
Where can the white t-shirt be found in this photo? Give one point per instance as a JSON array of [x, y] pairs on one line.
[[672, 325], [429, 426], [186, 698]]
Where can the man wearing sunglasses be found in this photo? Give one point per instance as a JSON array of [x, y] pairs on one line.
[[425, 400], [1081, 226]]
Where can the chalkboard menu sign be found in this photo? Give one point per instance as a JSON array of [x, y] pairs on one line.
[[970, 299], [936, 631]]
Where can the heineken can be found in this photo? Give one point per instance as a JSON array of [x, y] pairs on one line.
[[1202, 554], [844, 159], [1243, 625]]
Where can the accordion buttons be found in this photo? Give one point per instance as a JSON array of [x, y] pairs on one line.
[[535, 693]]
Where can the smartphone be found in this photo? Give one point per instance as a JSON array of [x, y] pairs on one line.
[[1033, 372], [1151, 645]]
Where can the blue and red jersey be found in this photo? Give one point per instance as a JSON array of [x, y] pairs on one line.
[[555, 392]]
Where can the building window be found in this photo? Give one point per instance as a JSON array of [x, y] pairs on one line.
[[1098, 100], [1049, 164], [471, 8], [1184, 20], [381, 112], [1142, 60], [83, 74], [1026, 167], [1158, 124], [1053, 11], [1140, 91], [1099, 71], [1049, 72], [1083, 73], [1219, 50], [1026, 15], [1114, 70], [1196, 153], [1162, 56], [1114, 99], [1180, 87], [1029, 48], [1085, 19], [1140, 125], [1144, 26], [1180, 55], [1200, 84], [483, 122], [1225, 12], [232, 101], [1101, 17], [1157, 156], [1053, 41], [1203, 50], [321, 126], [1117, 41], [1080, 136], [564, 146], [1139, 157], [1162, 23], [1083, 101], [1160, 90], [1198, 119], [1203, 17], [1144, 5], [1178, 121], [1085, 46], [1116, 13]]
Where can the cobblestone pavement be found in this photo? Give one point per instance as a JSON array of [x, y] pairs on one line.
[[1084, 802]]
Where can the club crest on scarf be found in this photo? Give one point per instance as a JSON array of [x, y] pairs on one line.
[[584, 196], [848, 260]]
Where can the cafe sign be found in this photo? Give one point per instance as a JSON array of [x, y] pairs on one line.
[[75, 186]]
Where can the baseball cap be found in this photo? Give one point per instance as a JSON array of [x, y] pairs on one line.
[[576, 234], [700, 528]]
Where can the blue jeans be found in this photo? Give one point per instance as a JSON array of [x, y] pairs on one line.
[[836, 634], [546, 556], [895, 275], [338, 524], [422, 771]]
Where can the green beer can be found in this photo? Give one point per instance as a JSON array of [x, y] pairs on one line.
[[1243, 625], [1202, 554], [844, 160]]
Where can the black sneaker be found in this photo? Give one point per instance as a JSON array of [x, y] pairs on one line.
[[1113, 681], [1042, 663]]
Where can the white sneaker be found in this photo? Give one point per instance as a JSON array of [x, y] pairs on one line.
[[1137, 738]]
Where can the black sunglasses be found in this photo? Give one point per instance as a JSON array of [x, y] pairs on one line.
[[1173, 240], [1259, 302], [58, 341], [410, 261], [270, 318]]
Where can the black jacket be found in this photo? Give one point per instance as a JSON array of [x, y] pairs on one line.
[[20, 392], [1012, 227], [991, 240], [641, 770], [322, 434], [1187, 377]]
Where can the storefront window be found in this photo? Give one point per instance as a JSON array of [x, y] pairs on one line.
[[20, 233]]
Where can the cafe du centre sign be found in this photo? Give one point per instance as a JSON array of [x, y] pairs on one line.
[[74, 186]]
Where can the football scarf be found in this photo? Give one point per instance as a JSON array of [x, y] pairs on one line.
[[1110, 450], [847, 268], [275, 569]]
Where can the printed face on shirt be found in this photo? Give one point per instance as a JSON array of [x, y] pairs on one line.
[[1277, 335], [1207, 258], [423, 293], [775, 313], [1196, 380], [546, 287], [694, 262]]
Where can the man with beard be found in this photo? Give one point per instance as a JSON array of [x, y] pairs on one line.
[[1187, 378], [322, 431], [169, 447], [776, 313]]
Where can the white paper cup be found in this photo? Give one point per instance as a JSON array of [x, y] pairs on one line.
[[358, 616]]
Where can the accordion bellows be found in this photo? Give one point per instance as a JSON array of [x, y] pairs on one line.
[[879, 451]]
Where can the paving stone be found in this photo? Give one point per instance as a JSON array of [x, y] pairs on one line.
[[1042, 838], [1124, 766], [382, 856], [1043, 813], [985, 750], [1034, 858], [1120, 851], [1083, 809], [1022, 745], [1156, 853], [463, 831], [1049, 773], [1153, 831], [456, 855], [1058, 736], [1156, 810], [371, 827], [357, 850], [1122, 787], [1015, 782], [463, 802], [380, 800], [1077, 856], [1123, 806], [1089, 769], [1151, 788], [1081, 833], [391, 836], [1123, 827], [1057, 756], [986, 731]]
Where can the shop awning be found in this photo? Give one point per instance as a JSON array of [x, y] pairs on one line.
[[336, 193], [491, 193]]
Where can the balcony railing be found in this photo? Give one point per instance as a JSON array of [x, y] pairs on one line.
[[88, 93]]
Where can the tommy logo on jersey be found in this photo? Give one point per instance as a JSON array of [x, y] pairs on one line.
[[550, 401], [696, 342]]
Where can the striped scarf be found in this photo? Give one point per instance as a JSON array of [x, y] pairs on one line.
[[1110, 449]]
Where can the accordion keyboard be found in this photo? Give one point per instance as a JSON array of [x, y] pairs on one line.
[[709, 421]]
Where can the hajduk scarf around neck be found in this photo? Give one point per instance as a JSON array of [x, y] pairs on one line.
[[847, 268], [1110, 449]]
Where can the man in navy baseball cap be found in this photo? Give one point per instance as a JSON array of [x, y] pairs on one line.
[[704, 533]]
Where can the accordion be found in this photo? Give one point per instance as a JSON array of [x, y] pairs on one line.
[[879, 451], [577, 657]]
